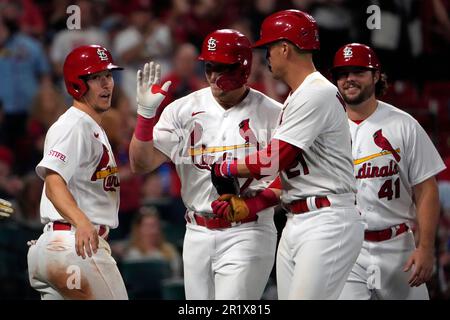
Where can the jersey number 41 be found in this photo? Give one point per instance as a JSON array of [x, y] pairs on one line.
[[386, 190]]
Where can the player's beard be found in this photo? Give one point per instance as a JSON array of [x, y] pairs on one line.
[[365, 93]]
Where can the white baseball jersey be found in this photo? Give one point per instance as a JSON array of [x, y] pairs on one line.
[[317, 249], [196, 131], [392, 153], [77, 148], [314, 120]]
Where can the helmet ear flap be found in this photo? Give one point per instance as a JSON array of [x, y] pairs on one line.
[[225, 83], [78, 88]]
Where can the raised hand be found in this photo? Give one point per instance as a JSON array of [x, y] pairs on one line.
[[149, 92]]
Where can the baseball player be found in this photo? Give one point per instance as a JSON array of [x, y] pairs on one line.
[[5, 208], [311, 151], [222, 260], [395, 163], [80, 200]]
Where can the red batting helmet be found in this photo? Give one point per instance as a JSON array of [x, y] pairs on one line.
[[294, 25], [229, 47], [83, 61], [356, 55]]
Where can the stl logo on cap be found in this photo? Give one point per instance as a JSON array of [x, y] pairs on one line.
[[102, 54], [212, 44], [348, 52]]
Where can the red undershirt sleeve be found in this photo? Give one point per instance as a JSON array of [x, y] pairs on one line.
[[277, 156]]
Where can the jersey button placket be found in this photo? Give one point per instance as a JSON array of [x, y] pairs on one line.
[[225, 116]]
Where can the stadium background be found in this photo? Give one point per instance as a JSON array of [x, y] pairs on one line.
[[413, 45]]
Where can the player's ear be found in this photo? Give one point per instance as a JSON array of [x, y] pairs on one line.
[[285, 47], [376, 76]]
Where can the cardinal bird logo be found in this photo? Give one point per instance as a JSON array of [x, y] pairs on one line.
[[246, 132], [102, 164], [106, 172], [384, 144]]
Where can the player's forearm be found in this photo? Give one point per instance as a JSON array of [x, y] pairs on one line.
[[277, 156], [427, 206], [243, 171], [277, 193], [61, 198], [235, 208], [263, 200], [142, 156], [238, 168], [269, 197], [262, 163]]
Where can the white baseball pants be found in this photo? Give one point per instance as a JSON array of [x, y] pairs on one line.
[[57, 272], [228, 264], [377, 273], [317, 251]]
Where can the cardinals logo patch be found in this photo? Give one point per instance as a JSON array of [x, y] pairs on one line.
[[247, 133], [106, 172], [383, 143], [102, 54], [348, 53], [212, 44]]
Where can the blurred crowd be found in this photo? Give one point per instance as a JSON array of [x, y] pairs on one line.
[[413, 45]]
